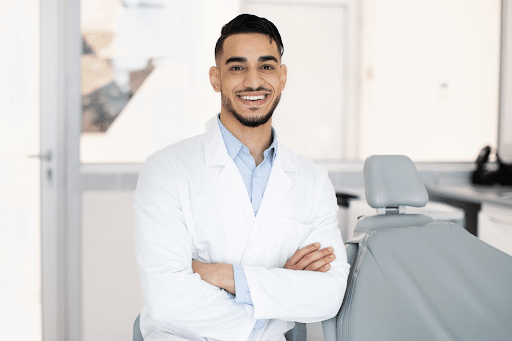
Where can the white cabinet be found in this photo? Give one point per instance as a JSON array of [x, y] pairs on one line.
[[495, 227]]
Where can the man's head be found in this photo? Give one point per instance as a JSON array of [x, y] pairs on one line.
[[248, 71], [248, 23]]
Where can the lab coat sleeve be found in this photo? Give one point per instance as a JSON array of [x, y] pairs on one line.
[[173, 294], [305, 296]]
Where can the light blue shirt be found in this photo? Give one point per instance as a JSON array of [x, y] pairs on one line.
[[255, 179]]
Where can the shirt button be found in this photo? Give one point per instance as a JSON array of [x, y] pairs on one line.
[[253, 249], [247, 295]]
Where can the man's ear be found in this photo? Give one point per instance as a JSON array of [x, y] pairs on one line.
[[284, 72], [215, 78]]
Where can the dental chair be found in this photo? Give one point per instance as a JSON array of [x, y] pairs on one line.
[[413, 278]]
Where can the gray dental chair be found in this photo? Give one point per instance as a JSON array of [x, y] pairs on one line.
[[416, 279]]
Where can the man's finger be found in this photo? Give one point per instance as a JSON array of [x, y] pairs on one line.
[[299, 254], [313, 257], [324, 268], [321, 263]]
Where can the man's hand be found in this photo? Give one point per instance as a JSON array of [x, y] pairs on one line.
[[311, 258], [218, 274]]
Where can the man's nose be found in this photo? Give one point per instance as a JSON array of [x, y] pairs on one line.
[[253, 79]]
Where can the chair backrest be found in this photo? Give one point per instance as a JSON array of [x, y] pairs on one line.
[[416, 279]]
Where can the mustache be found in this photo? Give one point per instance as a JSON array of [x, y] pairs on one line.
[[261, 88]]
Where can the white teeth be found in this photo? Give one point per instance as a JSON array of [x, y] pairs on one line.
[[253, 98]]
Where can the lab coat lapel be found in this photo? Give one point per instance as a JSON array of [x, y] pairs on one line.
[[228, 175], [279, 183], [231, 179]]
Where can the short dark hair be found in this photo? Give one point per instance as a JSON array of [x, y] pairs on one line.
[[248, 23]]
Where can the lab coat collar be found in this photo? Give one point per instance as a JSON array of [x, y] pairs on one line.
[[215, 150], [217, 155], [229, 176]]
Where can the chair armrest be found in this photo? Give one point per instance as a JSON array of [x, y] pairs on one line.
[[329, 327], [137, 336], [297, 333]]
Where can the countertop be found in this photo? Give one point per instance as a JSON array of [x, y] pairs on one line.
[[498, 195]]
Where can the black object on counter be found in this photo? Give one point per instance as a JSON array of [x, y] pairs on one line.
[[483, 176]]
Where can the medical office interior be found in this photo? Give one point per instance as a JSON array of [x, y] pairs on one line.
[[90, 88]]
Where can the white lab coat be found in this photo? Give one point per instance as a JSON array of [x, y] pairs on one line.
[[191, 203]]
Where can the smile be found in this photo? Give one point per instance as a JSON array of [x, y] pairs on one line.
[[253, 98]]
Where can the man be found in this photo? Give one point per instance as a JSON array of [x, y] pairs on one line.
[[236, 236]]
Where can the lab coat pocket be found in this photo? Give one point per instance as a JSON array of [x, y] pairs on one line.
[[275, 242], [293, 233]]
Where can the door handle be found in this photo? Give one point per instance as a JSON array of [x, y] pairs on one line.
[[46, 156]]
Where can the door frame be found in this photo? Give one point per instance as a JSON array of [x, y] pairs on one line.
[[60, 174]]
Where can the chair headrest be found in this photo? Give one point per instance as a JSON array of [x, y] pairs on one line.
[[392, 180]]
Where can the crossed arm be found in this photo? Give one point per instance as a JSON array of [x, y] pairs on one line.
[[309, 258]]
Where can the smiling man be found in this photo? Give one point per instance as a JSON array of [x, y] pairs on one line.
[[236, 235]]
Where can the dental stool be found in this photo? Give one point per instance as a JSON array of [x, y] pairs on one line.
[[413, 278]]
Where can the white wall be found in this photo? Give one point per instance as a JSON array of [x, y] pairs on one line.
[[111, 297], [505, 131], [20, 235], [430, 79]]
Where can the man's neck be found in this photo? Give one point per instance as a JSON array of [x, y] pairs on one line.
[[256, 139]]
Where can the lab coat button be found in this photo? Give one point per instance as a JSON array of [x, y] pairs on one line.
[[253, 249]]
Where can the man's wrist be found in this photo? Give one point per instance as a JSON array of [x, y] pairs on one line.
[[228, 278], [217, 274], [243, 294]]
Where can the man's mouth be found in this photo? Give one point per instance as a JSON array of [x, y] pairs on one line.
[[253, 98]]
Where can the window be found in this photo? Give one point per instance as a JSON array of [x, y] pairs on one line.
[[419, 78], [145, 74], [430, 78]]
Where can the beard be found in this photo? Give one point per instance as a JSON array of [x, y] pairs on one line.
[[251, 122]]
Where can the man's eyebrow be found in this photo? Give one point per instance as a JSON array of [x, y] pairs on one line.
[[267, 58], [236, 60], [261, 59]]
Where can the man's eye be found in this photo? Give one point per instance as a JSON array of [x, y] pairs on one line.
[[268, 67], [236, 68]]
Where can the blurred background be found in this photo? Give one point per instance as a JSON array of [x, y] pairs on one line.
[[90, 88]]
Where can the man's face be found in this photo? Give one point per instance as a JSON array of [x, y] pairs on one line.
[[250, 78]]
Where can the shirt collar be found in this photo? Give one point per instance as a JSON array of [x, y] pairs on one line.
[[233, 145]]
